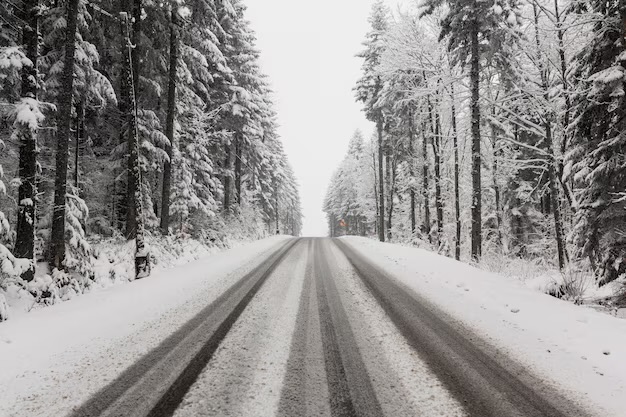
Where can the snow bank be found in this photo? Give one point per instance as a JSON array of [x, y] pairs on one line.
[[70, 350], [114, 264], [579, 350]]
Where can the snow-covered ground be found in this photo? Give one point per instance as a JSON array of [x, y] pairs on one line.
[[114, 265], [575, 348], [56, 357]]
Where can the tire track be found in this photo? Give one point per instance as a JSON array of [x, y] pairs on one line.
[[350, 388], [482, 384], [155, 385], [305, 390]]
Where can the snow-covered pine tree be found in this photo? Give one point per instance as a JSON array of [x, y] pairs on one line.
[[27, 124], [172, 81], [368, 91], [596, 161], [57, 242]]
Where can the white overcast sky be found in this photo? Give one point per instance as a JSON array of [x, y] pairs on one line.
[[308, 51]]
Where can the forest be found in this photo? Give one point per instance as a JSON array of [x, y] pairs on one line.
[[131, 121], [499, 130]]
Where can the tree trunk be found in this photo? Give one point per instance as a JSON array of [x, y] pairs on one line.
[[80, 133], [135, 200], [169, 128], [276, 207], [457, 204], [238, 156], [476, 156], [376, 221], [381, 182], [412, 171], [389, 189], [136, 40], [555, 202], [568, 103], [64, 115], [27, 191], [425, 191], [496, 186], [436, 145], [227, 169], [393, 165]]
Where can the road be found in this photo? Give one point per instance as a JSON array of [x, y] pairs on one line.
[[317, 330]]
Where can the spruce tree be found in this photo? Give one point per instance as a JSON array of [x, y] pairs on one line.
[[26, 134], [596, 161], [57, 243]]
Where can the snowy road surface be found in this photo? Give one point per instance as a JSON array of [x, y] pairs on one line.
[[288, 327]]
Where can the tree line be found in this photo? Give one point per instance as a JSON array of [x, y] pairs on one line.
[[499, 127], [128, 117]]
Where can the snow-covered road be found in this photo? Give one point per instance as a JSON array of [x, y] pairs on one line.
[[303, 327]]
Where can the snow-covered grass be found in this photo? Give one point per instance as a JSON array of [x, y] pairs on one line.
[[575, 348], [54, 358], [113, 265], [576, 284]]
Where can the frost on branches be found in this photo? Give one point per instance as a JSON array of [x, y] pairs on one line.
[[597, 162]]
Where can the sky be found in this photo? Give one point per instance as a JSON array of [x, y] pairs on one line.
[[308, 51]]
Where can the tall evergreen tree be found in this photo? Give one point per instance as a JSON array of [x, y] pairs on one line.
[[57, 243], [27, 137], [596, 160], [368, 91], [476, 29]]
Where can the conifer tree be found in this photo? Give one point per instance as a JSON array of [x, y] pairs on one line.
[[368, 91], [596, 160], [26, 135], [57, 243]]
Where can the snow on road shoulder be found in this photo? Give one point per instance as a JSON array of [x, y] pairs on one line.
[[54, 358], [580, 350]]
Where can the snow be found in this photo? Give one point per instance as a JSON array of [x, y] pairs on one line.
[[72, 349], [404, 383], [246, 373], [575, 348], [609, 75]]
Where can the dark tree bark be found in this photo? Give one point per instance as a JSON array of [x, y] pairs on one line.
[[381, 181], [169, 128], [554, 199], [425, 190], [134, 9], [136, 40], [276, 213], [392, 161], [27, 192], [388, 178], [496, 185], [553, 180], [568, 102], [64, 116], [457, 204], [436, 145], [412, 170], [238, 156], [80, 133], [135, 200], [377, 221], [228, 163], [476, 156]]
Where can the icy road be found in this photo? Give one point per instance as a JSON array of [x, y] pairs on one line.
[[308, 327]]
